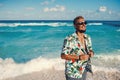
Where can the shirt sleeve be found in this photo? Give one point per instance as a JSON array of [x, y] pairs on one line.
[[66, 47]]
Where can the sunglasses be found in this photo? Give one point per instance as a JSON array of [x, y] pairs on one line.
[[81, 23]]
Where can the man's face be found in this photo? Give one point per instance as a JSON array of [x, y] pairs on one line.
[[80, 25]]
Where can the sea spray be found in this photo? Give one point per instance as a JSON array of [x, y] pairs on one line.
[[8, 68]]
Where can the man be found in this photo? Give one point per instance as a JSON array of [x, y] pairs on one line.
[[77, 51]]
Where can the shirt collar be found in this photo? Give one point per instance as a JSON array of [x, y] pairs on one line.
[[76, 36]]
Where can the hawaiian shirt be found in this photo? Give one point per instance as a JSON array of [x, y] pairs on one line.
[[72, 46]]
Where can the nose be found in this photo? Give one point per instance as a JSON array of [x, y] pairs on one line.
[[83, 26]]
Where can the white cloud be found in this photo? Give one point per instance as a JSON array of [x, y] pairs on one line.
[[54, 9], [9, 12], [29, 8], [103, 9], [73, 11], [52, 0], [110, 12], [47, 2]]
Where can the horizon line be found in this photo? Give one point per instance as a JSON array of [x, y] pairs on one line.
[[48, 20]]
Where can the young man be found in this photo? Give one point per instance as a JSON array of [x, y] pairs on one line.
[[77, 51]]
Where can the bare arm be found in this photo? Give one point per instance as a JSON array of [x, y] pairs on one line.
[[69, 57], [75, 57]]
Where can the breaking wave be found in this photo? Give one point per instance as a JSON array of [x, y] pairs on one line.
[[118, 30], [8, 68], [52, 24], [95, 23]]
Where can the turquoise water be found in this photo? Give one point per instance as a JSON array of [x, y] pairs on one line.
[[24, 41]]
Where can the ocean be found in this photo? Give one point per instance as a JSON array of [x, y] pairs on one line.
[[28, 46]]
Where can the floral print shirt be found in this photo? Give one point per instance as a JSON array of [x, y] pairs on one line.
[[75, 68]]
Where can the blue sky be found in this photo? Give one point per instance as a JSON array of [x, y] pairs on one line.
[[59, 9]]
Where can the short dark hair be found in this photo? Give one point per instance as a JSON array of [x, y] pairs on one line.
[[78, 17]]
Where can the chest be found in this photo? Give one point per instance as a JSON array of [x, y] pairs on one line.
[[78, 46], [82, 42]]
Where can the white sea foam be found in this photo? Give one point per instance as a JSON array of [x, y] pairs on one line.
[[52, 24], [118, 30], [95, 24], [8, 68], [109, 61]]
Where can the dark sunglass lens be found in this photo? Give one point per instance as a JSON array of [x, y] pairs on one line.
[[78, 23], [81, 23], [85, 22]]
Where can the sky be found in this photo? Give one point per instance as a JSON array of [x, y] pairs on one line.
[[59, 9]]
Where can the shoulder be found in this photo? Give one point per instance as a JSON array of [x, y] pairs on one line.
[[87, 36], [70, 37]]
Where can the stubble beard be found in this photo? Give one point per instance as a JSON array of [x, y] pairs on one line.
[[81, 31]]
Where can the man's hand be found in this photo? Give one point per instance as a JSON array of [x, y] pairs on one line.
[[84, 57], [91, 53]]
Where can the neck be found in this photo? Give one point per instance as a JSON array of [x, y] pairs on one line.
[[80, 34]]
